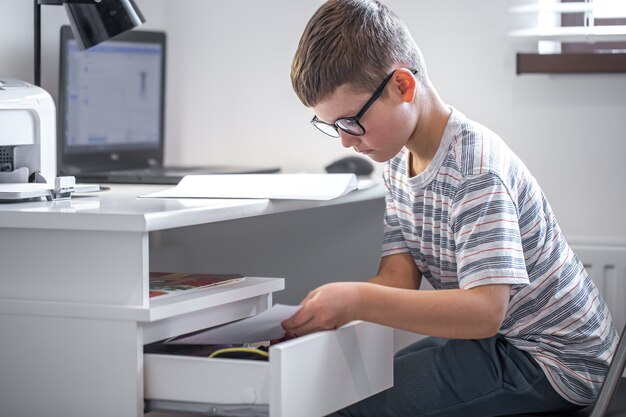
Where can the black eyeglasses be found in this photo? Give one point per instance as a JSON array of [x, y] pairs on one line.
[[352, 125]]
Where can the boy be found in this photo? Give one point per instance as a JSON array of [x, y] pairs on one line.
[[516, 323]]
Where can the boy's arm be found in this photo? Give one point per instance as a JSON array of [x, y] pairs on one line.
[[398, 271], [474, 313]]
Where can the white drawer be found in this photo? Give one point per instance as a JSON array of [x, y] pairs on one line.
[[310, 376]]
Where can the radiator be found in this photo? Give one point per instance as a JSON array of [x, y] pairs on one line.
[[605, 261]]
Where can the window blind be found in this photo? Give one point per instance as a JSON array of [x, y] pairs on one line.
[[543, 20]]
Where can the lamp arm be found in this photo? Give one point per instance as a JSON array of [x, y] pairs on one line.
[[37, 43], [37, 30]]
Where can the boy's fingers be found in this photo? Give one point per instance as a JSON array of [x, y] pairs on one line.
[[293, 326], [308, 327], [301, 317], [314, 324]]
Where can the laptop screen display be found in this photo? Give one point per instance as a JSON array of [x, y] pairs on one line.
[[111, 103], [112, 96]]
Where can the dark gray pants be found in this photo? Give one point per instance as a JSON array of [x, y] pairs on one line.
[[464, 378]]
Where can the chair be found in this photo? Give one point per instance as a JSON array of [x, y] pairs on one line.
[[608, 404]]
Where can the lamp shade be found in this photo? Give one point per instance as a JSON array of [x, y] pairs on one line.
[[98, 21]]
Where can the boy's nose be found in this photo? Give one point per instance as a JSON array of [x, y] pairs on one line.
[[348, 140]]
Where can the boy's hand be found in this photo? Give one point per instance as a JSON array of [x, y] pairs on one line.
[[327, 307]]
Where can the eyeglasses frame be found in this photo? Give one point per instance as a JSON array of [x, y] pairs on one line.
[[357, 119]]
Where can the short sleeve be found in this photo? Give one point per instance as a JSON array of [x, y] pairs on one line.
[[487, 234], [393, 239]]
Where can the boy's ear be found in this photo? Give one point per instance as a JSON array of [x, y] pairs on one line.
[[406, 84]]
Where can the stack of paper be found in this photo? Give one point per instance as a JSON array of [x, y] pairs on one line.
[[264, 326], [272, 186]]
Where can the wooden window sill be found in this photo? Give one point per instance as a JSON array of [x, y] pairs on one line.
[[571, 63]]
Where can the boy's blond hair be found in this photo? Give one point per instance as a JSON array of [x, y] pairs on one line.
[[353, 42]]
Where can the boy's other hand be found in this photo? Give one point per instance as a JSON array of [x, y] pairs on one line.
[[327, 307]]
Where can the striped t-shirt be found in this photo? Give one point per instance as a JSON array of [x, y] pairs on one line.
[[476, 216]]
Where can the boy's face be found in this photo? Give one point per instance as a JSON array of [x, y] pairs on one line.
[[388, 123]]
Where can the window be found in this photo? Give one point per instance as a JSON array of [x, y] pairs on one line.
[[573, 36]]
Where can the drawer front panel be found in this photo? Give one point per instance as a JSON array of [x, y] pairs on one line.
[[320, 373]]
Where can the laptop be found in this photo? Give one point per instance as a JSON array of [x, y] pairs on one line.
[[112, 112]]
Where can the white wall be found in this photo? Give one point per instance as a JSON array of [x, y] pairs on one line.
[[230, 97]]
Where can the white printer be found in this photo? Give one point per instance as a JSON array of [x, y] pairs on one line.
[[28, 144], [27, 131]]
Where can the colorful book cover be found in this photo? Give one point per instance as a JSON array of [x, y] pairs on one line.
[[164, 284]]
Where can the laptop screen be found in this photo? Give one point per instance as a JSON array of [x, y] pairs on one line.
[[111, 101]]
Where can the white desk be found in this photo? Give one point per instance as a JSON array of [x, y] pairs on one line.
[[75, 314]]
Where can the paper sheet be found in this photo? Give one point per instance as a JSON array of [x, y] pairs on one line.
[[264, 326], [365, 183], [273, 186]]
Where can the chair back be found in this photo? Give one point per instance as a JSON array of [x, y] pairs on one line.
[[612, 379]]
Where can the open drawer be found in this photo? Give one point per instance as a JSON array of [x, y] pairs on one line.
[[310, 376]]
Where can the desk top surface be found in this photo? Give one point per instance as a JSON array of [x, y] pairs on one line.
[[120, 209]]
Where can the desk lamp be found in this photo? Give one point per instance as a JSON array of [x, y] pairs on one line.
[[92, 21]]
